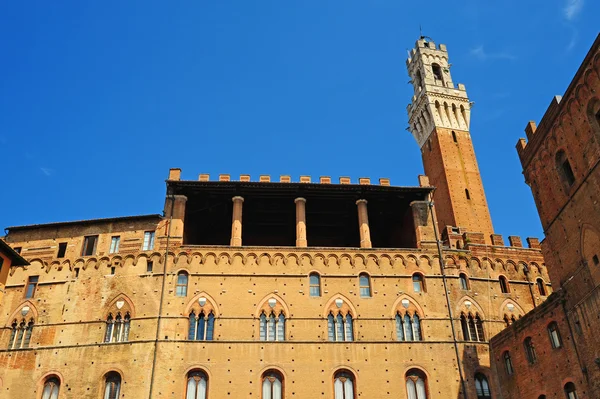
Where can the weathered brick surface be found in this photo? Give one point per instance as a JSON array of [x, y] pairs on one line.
[[70, 324], [571, 220]]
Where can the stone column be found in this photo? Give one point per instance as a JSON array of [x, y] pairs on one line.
[[236, 223], [363, 224], [301, 222]]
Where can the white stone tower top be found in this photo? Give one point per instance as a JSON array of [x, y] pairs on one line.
[[436, 102]]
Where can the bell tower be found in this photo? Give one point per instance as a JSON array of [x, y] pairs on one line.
[[439, 117]]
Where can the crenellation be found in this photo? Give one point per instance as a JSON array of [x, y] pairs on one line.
[[175, 174], [515, 241], [497, 239], [533, 243]]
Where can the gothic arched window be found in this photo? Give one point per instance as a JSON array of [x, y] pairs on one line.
[[314, 281], [112, 385], [201, 326], [343, 385], [416, 384], [272, 326], [51, 388], [339, 327], [272, 385], [408, 328], [482, 387], [117, 328], [20, 335], [472, 327], [197, 385]]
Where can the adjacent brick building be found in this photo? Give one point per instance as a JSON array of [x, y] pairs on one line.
[[560, 163], [251, 288]]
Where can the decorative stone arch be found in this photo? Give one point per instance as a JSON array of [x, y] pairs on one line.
[[475, 262], [91, 262], [501, 263], [120, 304], [182, 269], [488, 261], [36, 262], [266, 305], [514, 266], [202, 303], [413, 258], [517, 310], [535, 266], [358, 260], [416, 367], [195, 366], [31, 313], [272, 367], [425, 260], [400, 307], [450, 260], [345, 307], [474, 308]]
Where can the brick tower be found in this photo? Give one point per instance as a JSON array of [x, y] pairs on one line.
[[439, 116]]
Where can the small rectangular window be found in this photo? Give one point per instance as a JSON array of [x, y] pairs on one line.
[[89, 245], [62, 249], [76, 272], [596, 260], [113, 270], [31, 286], [149, 266], [148, 241], [115, 241]]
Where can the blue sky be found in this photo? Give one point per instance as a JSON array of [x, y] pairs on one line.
[[99, 99]]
